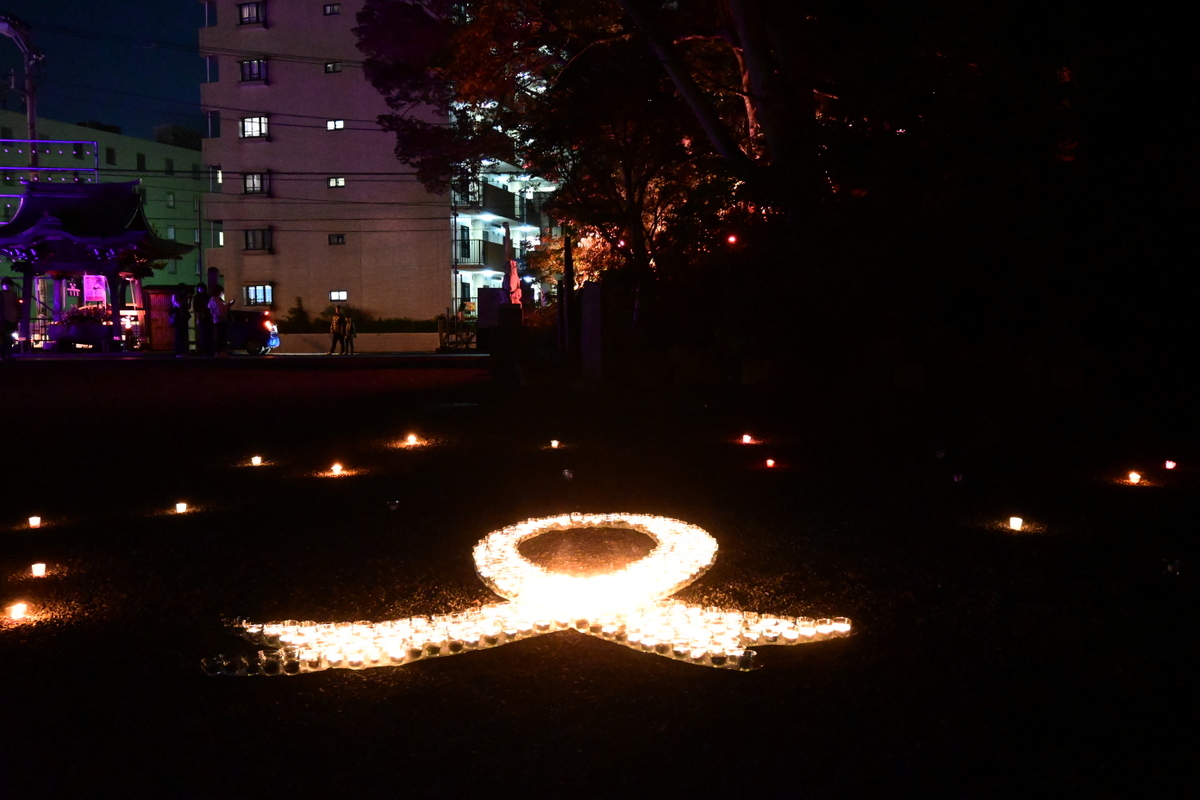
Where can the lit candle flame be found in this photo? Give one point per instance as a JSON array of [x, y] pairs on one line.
[[336, 469], [628, 606], [35, 522], [411, 439], [38, 570], [1170, 465], [256, 461], [747, 439], [1134, 477], [18, 611], [1015, 523], [554, 443], [181, 508], [770, 462]]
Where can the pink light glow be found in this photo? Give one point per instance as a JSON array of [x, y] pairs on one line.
[[1170, 465]]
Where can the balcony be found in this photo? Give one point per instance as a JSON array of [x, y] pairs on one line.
[[480, 254]]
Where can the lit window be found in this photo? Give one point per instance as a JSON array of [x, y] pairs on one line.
[[218, 233], [253, 127], [333, 66], [170, 199], [332, 8], [215, 178], [254, 183], [335, 124], [110, 156], [257, 294], [250, 13], [336, 182], [253, 70], [339, 294], [337, 238], [170, 232], [258, 239], [196, 235]]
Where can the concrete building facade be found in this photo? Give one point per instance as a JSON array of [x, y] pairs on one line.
[[172, 178], [308, 204]]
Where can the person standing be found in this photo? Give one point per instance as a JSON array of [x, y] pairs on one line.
[[219, 306], [350, 333], [180, 316], [10, 315], [337, 331], [204, 323]]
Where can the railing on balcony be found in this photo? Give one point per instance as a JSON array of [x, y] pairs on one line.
[[479, 253], [484, 198]]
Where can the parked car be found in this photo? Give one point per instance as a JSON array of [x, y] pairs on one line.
[[252, 331]]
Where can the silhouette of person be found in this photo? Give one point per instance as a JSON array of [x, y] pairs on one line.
[[180, 316], [337, 331]]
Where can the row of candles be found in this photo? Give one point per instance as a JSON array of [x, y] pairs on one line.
[[711, 637]]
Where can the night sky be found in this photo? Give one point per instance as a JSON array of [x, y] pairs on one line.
[[121, 62]]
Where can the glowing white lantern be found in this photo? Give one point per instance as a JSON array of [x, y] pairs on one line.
[[628, 606], [1015, 523], [256, 461], [770, 462], [747, 439], [38, 570], [35, 522], [411, 440], [18, 611], [181, 508], [336, 469], [554, 443], [1134, 477], [1170, 465]]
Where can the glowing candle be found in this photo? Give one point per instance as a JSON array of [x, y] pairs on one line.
[[1134, 477], [256, 461], [38, 570], [770, 462], [747, 439], [411, 439], [1015, 523], [18, 611], [554, 443], [336, 469], [181, 508], [35, 522], [1170, 465]]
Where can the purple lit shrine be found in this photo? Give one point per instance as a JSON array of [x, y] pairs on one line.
[[84, 250]]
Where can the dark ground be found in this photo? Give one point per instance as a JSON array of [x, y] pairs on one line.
[[985, 663]]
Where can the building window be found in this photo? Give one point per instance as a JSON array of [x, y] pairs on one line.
[[196, 203], [254, 183], [195, 172], [110, 156], [196, 235], [218, 233], [250, 13], [336, 182], [337, 238], [339, 295], [464, 242], [257, 294], [335, 124], [332, 66], [258, 239], [141, 162], [253, 70], [253, 127], [170, 199], [169, 166], [332, 8], [170, 231], [215, 179], [212, 69]]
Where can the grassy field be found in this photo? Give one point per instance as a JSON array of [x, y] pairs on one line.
[[984, 663]]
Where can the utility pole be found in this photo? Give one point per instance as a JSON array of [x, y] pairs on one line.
[[18, 31]]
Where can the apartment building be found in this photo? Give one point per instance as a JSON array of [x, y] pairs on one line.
[[172, 179], [308, 204]]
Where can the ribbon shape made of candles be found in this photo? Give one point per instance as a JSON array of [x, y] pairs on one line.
[[629, 606]]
